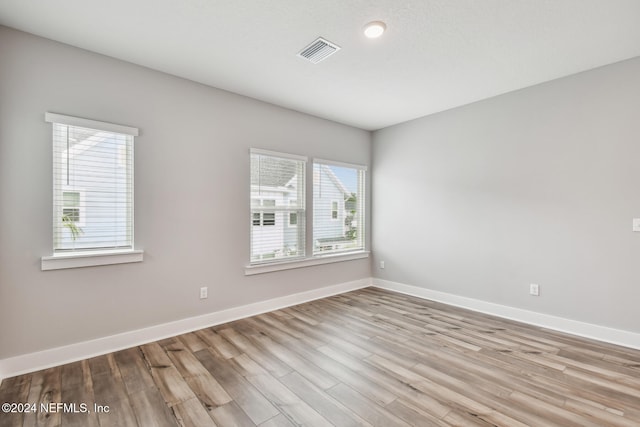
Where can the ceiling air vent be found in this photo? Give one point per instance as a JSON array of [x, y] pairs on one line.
[[318, 50]]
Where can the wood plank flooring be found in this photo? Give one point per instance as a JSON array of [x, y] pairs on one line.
[[364, 358]]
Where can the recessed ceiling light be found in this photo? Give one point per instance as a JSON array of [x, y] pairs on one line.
[[374, 29]]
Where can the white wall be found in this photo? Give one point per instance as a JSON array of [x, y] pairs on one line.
[[191, 195], [535, 186]]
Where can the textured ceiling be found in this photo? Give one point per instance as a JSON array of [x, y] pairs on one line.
[[435, 55]]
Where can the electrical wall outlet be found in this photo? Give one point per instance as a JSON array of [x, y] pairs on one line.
[[534, 289], [382, 265], [636, 224], [204, 292]]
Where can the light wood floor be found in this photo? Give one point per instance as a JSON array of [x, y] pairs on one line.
[[368, 357]]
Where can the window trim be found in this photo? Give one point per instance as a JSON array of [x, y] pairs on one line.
[[93, 257], [90, 259], [340, 164], [91, 124], [253, 269], [278, 154]]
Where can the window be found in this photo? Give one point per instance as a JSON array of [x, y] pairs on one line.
[[276, 180], [92, 185], [278, 215], [334, 210], [71, 206], [264, 218], [268, 218], [338, 207], [293, 216]]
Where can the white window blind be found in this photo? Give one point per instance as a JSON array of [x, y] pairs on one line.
[[277, 197], [92, 185], [338, 207]]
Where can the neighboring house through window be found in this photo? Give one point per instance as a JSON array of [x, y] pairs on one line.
[[278, 212], [338, 207]]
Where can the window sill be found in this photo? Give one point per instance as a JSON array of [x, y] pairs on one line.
[[90, 259], [250, 270]]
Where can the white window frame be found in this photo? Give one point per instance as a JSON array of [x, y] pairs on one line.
[[88, 258], [280, 212], [361, 213], [313, 260]]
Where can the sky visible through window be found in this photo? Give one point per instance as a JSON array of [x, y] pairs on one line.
[[348, 176]]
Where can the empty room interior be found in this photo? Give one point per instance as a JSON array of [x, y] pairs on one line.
[[294, 212]]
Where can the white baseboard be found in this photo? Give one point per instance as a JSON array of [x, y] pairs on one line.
[[32, 362], [36, 361], [586, 330]]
